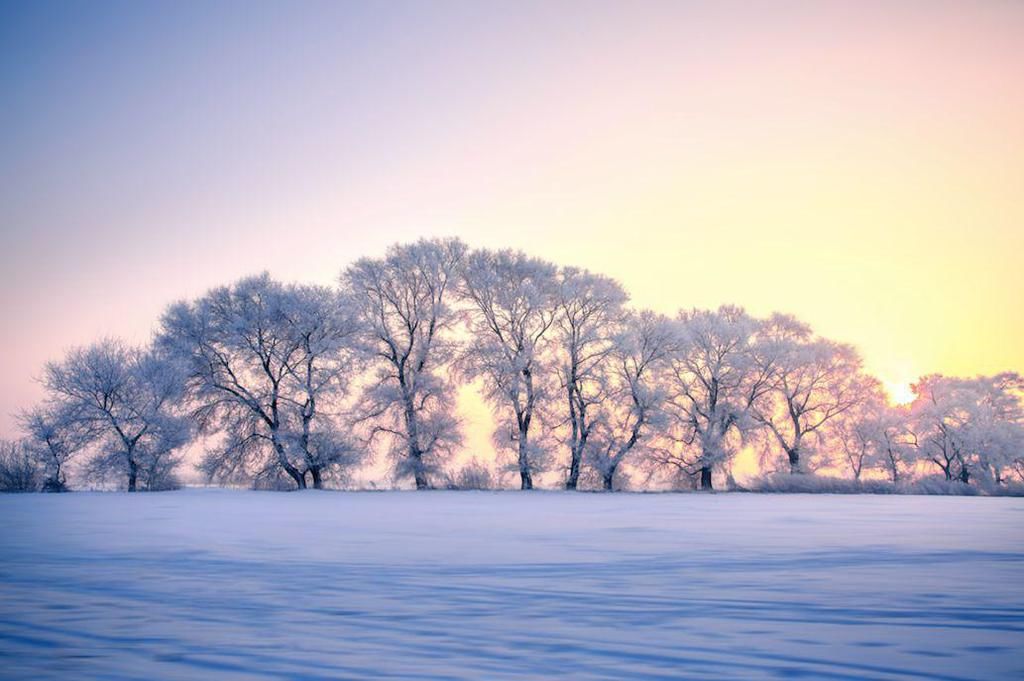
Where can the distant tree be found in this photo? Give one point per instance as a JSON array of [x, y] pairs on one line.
[[855, 436], [123, 398], [20, 470], [634, 400], [873, 434], [261, 358], [967, 427], [513, 301], [55, 436], [715, 380], [998, 427], [815, 382], [405, 316], [894, 442], [589, 315]]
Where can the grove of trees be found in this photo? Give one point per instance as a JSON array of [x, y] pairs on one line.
[[283, 386]]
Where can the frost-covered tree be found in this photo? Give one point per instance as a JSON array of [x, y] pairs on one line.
[[406, 319], [997, 430], [969, 427], [815, 382], [326, 325], [54, 436], [871, 435], [894, 448], [123, 398], [261, 359], [633, 403], [874, 434], [854, 434], [715, 379], [513, 304], [588, 319]]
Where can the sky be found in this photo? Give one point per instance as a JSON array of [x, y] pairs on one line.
[[859, 164]]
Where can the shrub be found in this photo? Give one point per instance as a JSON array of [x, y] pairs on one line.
[[20, 471], [474, 475]]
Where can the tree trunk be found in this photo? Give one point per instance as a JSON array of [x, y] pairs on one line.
[[965, 475], [574, 470], [318, 482], [609, 476], [133, 475], [575, 448], [412, 431], [577, 459], [421, 479], [705, 477], [282, 460], [417, 468], [794, 461], [525, 475]]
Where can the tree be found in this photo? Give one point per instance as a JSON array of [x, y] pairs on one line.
[[589, 314], [969, 426], [714, 382], [633, 404], [260, 358], [815, 381], [513, 301], [856, 437], [402, 301], [873, 434], [892, 439], [55, 437], [997, 430], [123, 398], [326, 326]]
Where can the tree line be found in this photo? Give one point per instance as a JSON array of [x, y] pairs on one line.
[[291, 385]]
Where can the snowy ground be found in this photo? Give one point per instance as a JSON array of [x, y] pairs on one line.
[[211, 584]]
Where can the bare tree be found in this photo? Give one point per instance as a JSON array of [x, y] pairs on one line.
[[406, 320], [715, 381], [260, 358], [589, 315], [123, 397], [513, 300], [816, 381], [633, 404]]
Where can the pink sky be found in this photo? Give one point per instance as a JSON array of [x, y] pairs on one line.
[[860, 165]]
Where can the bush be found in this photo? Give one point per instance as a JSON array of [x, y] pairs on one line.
[[1010, 489], [786, 483], [474, 475], [20, 471], [938, 485]]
